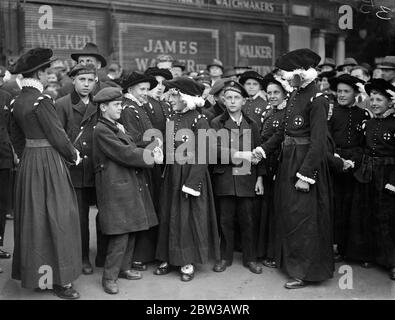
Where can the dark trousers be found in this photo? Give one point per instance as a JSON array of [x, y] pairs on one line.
[[6, 179], [85, 198], [242, 209], [119, 254], [343, 185]]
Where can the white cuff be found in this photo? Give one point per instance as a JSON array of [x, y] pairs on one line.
[[352, 163], [190, 191], [336, 155], [246, 155], [390, 187], [261, 151], [305, 179]]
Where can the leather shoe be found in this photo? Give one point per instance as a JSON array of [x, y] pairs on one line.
[[269, 263], [187, 276], [110, 286], [254, 267], [66, 292], [295, 284], [4, 254], [87, 268], [162, 269], [130, 275], [139, 266], [221, 266], [392, 273]]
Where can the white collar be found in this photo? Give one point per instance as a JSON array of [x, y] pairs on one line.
[[33, 83], [133, 98], [18, 82], [282, 105], [237, 121]]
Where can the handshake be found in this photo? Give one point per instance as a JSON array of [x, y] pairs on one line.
[[254, 156]]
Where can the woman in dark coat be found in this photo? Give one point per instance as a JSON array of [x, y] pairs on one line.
[[302, 189], [273, 117], [47, 227], [372, 219], [123, 196], [188, 232]]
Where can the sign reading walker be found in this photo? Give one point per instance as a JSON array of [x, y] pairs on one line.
[[257, 48], [140, 44], [52, 27]]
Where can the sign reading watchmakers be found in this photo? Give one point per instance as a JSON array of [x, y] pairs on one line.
[[140, 44], [257, 48]]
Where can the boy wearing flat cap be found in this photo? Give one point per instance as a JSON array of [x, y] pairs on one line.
[[78, 115], [255, 105], [302, 187], [123, 196], [88, 55], [46, 225], [136, 119], [345, 127], [236, 191], [372, 230]]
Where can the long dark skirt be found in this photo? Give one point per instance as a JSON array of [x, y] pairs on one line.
[[46, 225], [372, 221], [304, 239], [6, 177], [188, 231]]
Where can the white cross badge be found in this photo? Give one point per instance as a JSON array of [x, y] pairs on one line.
[[185, 138], [298, 121], [359, 127], [257, 110], [276, 123], [387, 136]]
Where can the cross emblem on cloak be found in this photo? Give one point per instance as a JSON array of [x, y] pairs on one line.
[[276, 123], [387, 136], [298, 121]]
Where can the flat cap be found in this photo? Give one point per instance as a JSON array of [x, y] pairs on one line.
[[231, 85], [79, 69], [108, 94], [185, 85]]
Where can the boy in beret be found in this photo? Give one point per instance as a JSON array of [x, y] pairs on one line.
[[255, 105], [372, 229], [78, 116], [123, 196], [136, 117], [236, 191], [345, 127]]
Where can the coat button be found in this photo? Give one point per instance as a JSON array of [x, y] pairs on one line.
[[84, 143], [102, 166], [82, 128], [140, 189], [85, 157]]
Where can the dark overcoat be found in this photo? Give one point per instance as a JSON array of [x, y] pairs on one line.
[[78, 118], [123, 195]]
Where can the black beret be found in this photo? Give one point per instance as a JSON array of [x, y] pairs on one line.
[[136, 78], [231, 85], [268, 79], [185, 85], [108, 94], [380, 85], [327, 74], [347, 79], [32, 60], [298, 59], [250, 75], [155, 71], [82, 69]]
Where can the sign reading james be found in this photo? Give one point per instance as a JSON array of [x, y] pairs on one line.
[[257, 48], [64, 30], [140, 44], [250, 5]]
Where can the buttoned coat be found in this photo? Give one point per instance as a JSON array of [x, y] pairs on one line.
[[227, 179], [123, 196], [77, 118]]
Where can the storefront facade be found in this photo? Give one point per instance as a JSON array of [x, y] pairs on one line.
[[195, 32]]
